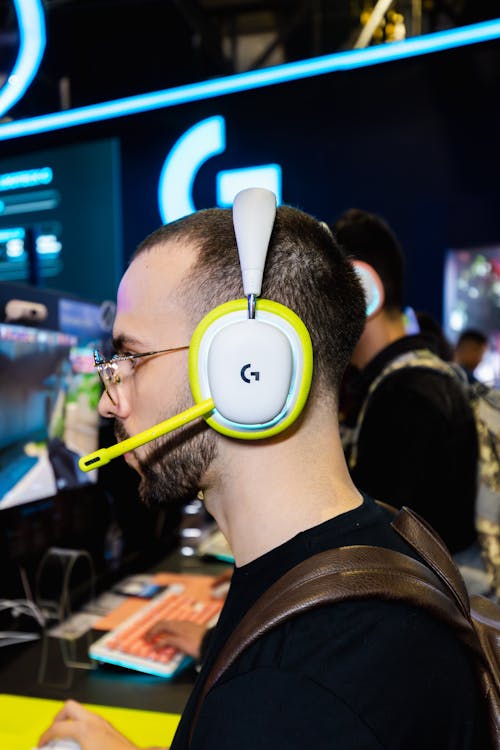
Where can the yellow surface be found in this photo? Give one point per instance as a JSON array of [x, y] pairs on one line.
[[24, 719]]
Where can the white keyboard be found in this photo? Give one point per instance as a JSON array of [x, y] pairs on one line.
[[125, 646]]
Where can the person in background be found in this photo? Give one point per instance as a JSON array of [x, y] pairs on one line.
[[435, 336], [415, 443], [470, 349], [371, 674]]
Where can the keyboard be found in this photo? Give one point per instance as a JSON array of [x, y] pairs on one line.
[[125, 645]]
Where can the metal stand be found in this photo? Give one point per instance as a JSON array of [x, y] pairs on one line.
[[67, 652]]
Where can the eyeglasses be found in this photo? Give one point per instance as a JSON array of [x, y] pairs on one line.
[[120, 366]]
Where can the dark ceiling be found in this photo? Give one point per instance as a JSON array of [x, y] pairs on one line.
[[105, 49]]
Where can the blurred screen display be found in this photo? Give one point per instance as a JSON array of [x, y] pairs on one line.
[[472, 300], [48, 412]]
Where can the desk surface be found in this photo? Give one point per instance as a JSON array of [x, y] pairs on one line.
[[105, 685], [24, 719]]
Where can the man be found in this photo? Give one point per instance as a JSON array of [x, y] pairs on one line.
[[367, 675], [469, 352], [417, 442]]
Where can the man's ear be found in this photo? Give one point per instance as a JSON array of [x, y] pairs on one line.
[[372, 285]]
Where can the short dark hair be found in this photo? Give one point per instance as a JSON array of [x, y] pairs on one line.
[[473, 335], [305, 270], [367, 237]]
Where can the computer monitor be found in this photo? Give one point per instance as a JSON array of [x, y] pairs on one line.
[[48, 419], [472, 300], [60, 218], [48, 402], [49, 393]]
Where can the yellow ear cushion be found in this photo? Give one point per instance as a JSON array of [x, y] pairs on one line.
[[301, 388]]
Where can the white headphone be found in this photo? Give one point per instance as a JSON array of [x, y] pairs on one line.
[[252, 356]]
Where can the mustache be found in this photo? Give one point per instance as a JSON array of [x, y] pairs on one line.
[[120, 431]]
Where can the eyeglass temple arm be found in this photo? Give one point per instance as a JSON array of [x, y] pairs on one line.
[[104, 455]]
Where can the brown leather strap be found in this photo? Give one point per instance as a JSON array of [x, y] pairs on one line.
[[345, 574], [483, 614], [422, 537], [487, 625]]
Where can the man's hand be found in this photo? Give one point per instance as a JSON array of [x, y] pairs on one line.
[[183, 635], [87, 728]]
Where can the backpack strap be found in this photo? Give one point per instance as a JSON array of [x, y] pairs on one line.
[[423, 358], [421, 536], [482, 613], [345, 574]]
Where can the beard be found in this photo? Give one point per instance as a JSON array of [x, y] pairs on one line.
[[172, 470]]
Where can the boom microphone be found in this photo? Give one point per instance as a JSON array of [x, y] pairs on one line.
[[104, 455]]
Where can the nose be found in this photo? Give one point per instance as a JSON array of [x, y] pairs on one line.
[[104, 407], [108, 409]]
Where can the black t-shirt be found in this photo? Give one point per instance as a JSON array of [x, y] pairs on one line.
[[353, 676], [417, 445]]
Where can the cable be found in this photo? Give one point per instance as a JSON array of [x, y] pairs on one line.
[[23, 607]]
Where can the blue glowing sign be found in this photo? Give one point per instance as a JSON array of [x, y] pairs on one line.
[[198, 144], [26, 178], [348, 60], [31, 23], [231, 181]]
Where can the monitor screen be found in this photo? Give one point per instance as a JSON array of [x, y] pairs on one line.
[[60, 218], [472, 300], [48, 402], [49, 393]]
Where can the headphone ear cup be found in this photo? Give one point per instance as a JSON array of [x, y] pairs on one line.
[[250, 367], [372, 285], [257, 371]]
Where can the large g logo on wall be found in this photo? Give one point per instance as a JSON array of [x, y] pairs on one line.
[[198, 144]]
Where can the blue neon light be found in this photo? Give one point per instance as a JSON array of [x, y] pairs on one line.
[[15, 233], [422, 45], [26, 178], [31, 23], [231, 181], [175, 188]]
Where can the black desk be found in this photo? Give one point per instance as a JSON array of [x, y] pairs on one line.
[[105, 685]]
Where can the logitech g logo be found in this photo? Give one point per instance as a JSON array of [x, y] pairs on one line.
[[199, 143], [255, 374]]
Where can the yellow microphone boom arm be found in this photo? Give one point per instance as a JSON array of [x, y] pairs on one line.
[[104, 455]]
